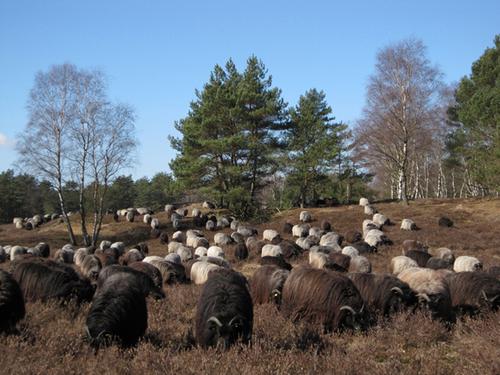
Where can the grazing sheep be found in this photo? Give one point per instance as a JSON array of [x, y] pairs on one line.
[[169, 209], [363, 202], [376, 237], [254, 246], [173, 246], [364, 248], [184, 253], [421, 257], [380, 219], [287, 228], [325, 225], [154, 273], [19, 225], [200, 271], [369, 225], [301, 230], [130, 216], [432, 290], [44, 249], [42, 280], [105, 258], [200, 251], [445, 222], [408, 224], [178, 236], [323, 297], [208, 205], [241, 251], [104, 245], [90, 267], [147, 219], [384, 294], [64, 255], [173, 258], [120, 246], [467, 264], [316, 232], [247, 231], [305, 217], [155, 223], [445, 254], [171, 273], [350, 251], [234, 225], [17, 252], [215, 251], [409, 245], [438, 264], [12, 307], [360, 264], [131, 256], [80, 254], [222, 223], [401, 263], [210, 225], [278, 261], [318, 259], [369, 210], [353, 236], [222, 239], [305, 243], [290, 249], [163, 238], [224, 314], [331, 239], [182, 211], [271, 251], [144, 211], [270, 235], [118, 312], [474, 292], [266, 284], [195, 242], [237, 237]]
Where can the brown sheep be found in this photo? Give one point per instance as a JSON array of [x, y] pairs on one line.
[[323, 297], [266, 284], [421, 257], [276, 261]]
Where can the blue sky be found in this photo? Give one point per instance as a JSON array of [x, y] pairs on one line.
[[156, 53]]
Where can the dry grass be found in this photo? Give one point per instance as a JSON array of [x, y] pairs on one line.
[[51, 336]]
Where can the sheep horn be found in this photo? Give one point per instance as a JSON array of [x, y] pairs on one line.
[[397, 290], [232, 320], [348, 308], [484, 295], [362, 308], [215, 320], [423, 296], [88, 332]]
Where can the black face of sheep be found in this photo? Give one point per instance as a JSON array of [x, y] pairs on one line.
[[225, 311], [11, 303], [118, 313]]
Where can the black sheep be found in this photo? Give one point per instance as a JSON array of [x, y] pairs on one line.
[[11, 303]]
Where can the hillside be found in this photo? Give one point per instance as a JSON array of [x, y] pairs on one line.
[[51, 335]]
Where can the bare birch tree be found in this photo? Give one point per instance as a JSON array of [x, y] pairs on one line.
[[402, 104]]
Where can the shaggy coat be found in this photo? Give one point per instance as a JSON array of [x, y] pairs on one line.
[[131, 256], [275, 261], [224, 314], [172, 273], [467, 264], [364, 248], [290, 249], [11, 303], [385, 294], [421, 257], [90, 267], [401, 263], [353, 236], [241, 251], [106, 259], [266, 284], [144, 281], [118, 312], [438, 264], [200, 270], [432, 290], [150, 270], [42, 280], [323, 297], [287, 228], [409, 245], [473, 292]]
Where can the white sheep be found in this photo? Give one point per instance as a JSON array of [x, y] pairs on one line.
[[196, 212], [401, 263], [147, 219], [173, 258], [370, 210], [17, 251], [223, 222], [317, 259], [120, 246], [152, 258], [380, 219], [369, 225], [104, 245], [80, 255], [300, 230], [408, 224], [270, 235], [215, 251], [222, 239], [305, 243], [195, 242], [210, 225], [173, 246], [178, 236], [316, 231], [201, 251], [444, 253], [184, 253], [144, 210], [271, 251], [375, 237], [200, 271], [234, 224], [360, 264], [305, 216], [330, 238], [363, 202], [350, 251], [169, 208], [155, 223], [467, 264]]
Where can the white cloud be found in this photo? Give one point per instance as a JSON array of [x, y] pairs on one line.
[[4, 141]]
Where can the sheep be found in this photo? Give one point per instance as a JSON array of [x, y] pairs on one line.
[[184, 253], [42, 280], [318, 259], [271, 250], [247, 231], [305, 243], [408, 224], [222, 223], [369, 225], [173, 246], [421, 257], [474, 292], [195, 212], [3, 254], [432, 290], [224, 313], [350, 251], [380, 219], [131, 256], [19, 225], [144, 211], [182, 211], [445, 222], [80, 254], [290, 249], [90, 267], [104, 244], [363, 202], [210, 225], [331, 239], [118, 311], [241, 251], [208, 205], [171, 272], [178, 236], [142, 247], [300, 230], [16, 252], [438, 263], [44, 249], [364, 248], [254, 246], [169, 209], [287, 228], [384, 294], [200, 251], [266, 284], [270, 235], [155, 223], [325, 225], [194, 233], [237, 237], [467, 263], [120, 246], [409, 245], [401, 263], [195, 242], [64, 255], [200, 271], [215, 251], [173, 258], [105, 258], [376, 237], [278, 261], [163, 238], [369, 210], [222, 239], [323, 297], [148, 280], [360, 264], [353, 236], [130, 216], [17, 220], [305, 216], [445, 254], [316, 232], [147, 219], [12, 308]]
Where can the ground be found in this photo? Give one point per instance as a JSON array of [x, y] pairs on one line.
[[51, 336]]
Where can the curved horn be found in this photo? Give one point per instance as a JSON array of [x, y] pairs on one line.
[[423, 296], [348, 308], [87, 332], [234, 318], [362, 308], [276, 292], [397, 290], [215, 320]]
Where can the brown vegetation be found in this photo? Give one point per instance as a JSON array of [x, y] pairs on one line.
[[51, 337]]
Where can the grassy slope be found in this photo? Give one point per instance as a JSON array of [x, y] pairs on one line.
[[51, 336]]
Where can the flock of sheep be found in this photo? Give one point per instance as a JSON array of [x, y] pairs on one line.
[[336, 290]]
